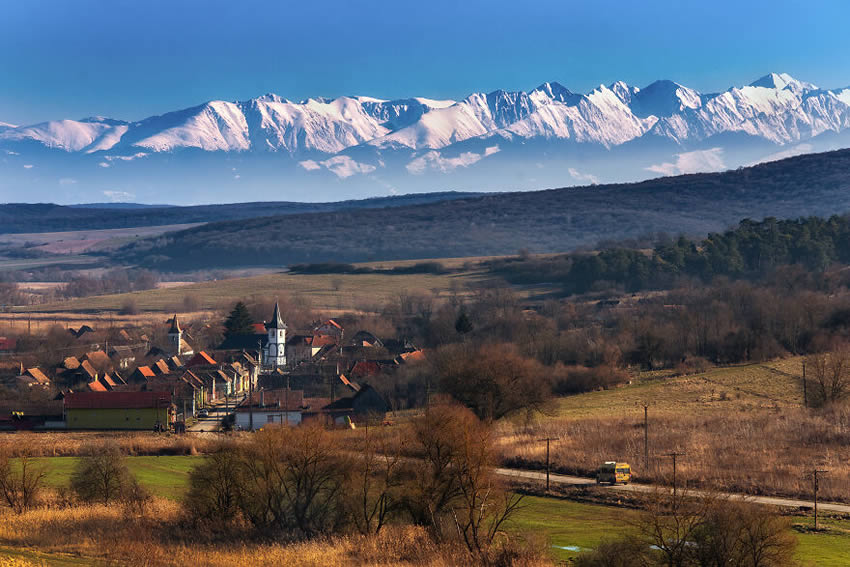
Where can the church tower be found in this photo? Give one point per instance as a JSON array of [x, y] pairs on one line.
[[175, 336], [276, 349]]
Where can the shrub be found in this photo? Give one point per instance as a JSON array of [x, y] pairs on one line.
[[101, 475], [215, 487]]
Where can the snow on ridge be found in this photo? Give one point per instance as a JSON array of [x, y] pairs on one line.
[[776, 107]]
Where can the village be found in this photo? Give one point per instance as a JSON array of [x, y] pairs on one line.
[[125, 380]]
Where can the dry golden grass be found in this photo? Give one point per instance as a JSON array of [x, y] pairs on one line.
[[67, 444], [743, 429], [40, 323], [745, 388], [325, 292], [159, 537]]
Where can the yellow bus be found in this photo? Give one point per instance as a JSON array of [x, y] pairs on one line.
[[613, 472]]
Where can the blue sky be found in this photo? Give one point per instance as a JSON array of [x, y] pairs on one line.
[[131, 59]]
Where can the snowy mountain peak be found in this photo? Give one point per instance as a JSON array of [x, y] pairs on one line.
[[271, 97], [664, 98], [781, 81], [777, 108], [553, 91], [624, 91]]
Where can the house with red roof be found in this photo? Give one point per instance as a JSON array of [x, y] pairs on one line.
[[141, 374], [200, 359]]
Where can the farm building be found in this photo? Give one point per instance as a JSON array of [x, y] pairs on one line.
[[367, 405], [270, 406], [118, 410]]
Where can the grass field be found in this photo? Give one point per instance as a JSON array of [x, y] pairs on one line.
[[77, 241], [767, 386], [722, 418], [325, 292], [165, 476], [573, 525]]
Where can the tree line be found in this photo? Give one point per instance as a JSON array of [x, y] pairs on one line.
[[752, 250]]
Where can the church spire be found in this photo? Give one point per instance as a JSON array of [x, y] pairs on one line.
[[175, 326], [277, 320]]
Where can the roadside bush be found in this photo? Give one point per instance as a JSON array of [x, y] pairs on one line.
[[614, 553], [454, 491], [578, 379], [285, 479], [215, 488], [710, 530], [136, 498]]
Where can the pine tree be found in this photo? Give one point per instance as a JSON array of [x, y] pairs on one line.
[[463, 325], [238, 322]]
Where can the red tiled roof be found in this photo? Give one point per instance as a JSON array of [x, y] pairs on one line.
[[190, 377], [71, 363], [415, 355], [161, 366], [366, 368], [200, 359], [333, 323], [39, 376], [96, 386], [88, 368], [323, 340], [145, 371], [116, 400], [259, 328]]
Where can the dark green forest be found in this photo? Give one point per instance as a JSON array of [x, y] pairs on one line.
[[752, 251]]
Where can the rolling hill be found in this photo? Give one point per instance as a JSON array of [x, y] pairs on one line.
[[38, 217], [555, 220]]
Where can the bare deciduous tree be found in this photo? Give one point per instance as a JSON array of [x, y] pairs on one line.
[[101, 475], [375, 480], [831, 374], [20, 482]]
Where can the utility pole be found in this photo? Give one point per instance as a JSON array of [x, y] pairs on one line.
[[646, 437], [675, 455], [805, 394], [815, 473], [548, 467]]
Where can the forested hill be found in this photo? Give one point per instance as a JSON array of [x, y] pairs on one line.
[[556, 220], [46, 217]]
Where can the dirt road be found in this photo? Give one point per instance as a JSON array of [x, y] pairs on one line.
[[581, 481]]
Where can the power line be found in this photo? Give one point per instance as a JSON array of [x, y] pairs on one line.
[[815, 473], [674, 455]]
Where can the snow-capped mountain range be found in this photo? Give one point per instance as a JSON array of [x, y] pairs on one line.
[[548, 136]]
